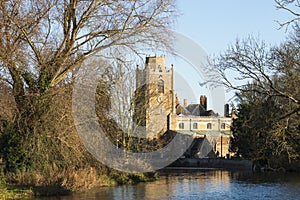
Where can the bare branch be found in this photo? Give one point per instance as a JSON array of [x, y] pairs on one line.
[[284, 5]]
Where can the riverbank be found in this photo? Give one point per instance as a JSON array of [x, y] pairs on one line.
[[214, 163], [200, 184], [91, 180], [15, 192], [11, 190]]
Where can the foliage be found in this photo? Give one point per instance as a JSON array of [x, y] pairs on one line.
[[43, 45], [9, 192], [132, 178], [267, 127], [11, 150], [252, 129], [267, 83]]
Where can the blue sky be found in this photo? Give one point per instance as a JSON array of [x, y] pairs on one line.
[[214, 25]]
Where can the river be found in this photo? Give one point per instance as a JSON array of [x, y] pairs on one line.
[[201, 184]]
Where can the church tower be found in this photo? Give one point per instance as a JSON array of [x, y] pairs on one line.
[[154, 96]]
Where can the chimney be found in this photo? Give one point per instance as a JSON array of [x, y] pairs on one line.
[[203, 101], [226, 110], [185, 103]]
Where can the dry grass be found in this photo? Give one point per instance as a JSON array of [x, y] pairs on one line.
[[61, 181], [15, 193]]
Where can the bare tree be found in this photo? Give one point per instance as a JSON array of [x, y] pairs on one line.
[[250, 66], [43, 41], [266, 81], [292, 7], [251, 60], [128, 104]]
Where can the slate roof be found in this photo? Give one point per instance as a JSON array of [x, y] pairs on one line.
[[181, 110], [194, 110]]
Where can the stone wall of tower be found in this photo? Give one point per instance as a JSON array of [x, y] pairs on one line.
[[155, 85]]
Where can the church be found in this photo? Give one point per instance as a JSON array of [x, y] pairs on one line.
[[157, 108]]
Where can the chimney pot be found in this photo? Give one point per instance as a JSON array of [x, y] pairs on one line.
[[203, 101], [185, 103], [226, 110]]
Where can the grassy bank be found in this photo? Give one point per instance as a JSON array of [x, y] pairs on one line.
[[14, 192], [11, 186]]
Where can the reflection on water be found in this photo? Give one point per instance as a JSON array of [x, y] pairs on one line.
[[182, 184], [202, 184]]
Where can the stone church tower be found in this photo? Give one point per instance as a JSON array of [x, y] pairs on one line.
[[154, 96]]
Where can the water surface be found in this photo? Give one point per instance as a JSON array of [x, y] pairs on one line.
[[201, 184]]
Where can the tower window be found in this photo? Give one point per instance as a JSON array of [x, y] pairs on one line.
[[160, 86], [181, 125], [159, 68], [195, 126], [209, 126]]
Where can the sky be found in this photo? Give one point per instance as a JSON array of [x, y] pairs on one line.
[[214, 25]]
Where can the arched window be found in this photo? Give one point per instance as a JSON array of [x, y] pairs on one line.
[[160, 86], [159, 68], [181, 125], [195, 126], [209, 126], [223, 126]]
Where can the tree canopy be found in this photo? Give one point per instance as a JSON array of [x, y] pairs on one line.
[[44, 40], [43, 44], [266, 81]]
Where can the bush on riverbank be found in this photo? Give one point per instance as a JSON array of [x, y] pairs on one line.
[[69, 179], [47, 155], [132, 178], [12, 192], [26, 185]]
